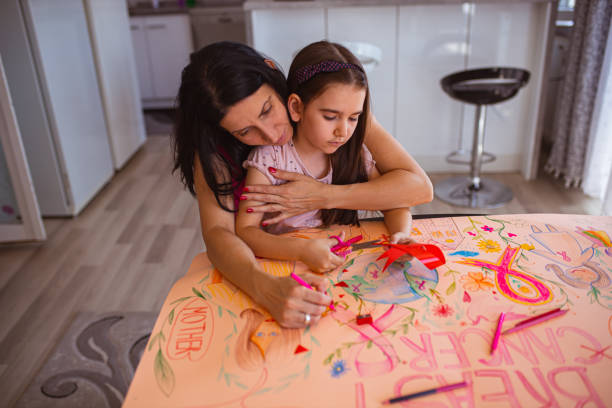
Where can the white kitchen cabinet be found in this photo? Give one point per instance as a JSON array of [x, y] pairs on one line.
[[421, 44], [376, 26], [432, 43], [162, 47], [280, 33], [51, 73], [436, 40], [110, 37]]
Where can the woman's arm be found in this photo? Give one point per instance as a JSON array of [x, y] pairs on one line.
[[403, 183], [313, 252], [286, 301]]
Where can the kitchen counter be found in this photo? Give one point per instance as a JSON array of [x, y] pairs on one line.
[[418, 42], [161, 10], [286, 4]]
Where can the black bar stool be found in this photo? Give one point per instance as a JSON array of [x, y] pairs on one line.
[[481, 87]]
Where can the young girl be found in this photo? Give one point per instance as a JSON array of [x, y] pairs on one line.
[[328, 106]]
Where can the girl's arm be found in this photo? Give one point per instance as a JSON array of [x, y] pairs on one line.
[[398, 220], [313, 252], [286, 301], [403, 184]]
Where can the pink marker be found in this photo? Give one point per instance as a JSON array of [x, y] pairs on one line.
[[536, 319], [307, 285], [500, 322]]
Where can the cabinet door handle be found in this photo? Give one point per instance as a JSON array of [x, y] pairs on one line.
[[134, 27], [224, 20], [156, 26]]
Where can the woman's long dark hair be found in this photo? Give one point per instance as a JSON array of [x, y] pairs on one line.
[[347, 162], [217, 77]]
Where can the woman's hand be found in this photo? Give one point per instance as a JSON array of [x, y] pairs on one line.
[[289, 302], [317, 254], [301, 194]]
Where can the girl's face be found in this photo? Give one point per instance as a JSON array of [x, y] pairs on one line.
[[329, 120], [259, 119]]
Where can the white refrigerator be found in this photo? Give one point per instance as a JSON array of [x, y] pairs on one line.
[[54, 57]]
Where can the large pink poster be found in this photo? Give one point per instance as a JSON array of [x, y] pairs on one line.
[[213, 347]]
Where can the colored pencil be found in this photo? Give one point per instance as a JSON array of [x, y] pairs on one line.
[[536, 320], [444, 388], [306, 285], [500, 322]]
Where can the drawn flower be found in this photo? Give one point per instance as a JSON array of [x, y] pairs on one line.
[[510, 234], [338, 368], [471, 233], [488, 245], [443, 310], [486, 228], [527, 247], [476, 281]]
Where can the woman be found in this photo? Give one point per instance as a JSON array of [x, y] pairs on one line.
[[230, 99]]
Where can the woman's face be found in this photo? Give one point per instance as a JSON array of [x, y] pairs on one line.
[[259, 119]]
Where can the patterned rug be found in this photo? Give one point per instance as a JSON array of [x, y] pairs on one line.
[[93, 364]]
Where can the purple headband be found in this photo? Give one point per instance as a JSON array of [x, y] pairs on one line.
[[305, 73]]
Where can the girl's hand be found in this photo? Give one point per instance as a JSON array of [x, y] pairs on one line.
[[301, 194], [288, 302], [401, 238], [317, 254]]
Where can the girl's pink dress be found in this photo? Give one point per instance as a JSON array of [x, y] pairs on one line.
[[287, 158]]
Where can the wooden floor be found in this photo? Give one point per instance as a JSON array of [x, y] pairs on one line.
[[128, 247]]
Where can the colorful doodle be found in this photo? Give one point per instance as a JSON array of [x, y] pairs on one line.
[[212, 346], [574, 265], [513, 284]]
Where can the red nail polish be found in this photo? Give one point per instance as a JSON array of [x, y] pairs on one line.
[[264, 224], [249, 210], [271, 169], [246, 189], [242, 198]]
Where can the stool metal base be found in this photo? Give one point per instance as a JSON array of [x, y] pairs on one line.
[[458, 191]]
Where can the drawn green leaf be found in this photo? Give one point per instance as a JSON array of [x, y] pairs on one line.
[[227, 379], [328, 359], [263, 390], [164, 374], [220, 373], [197, 292], [306, 370], [451, 288], [315, 341], [369, 344], [231, 313], [349, 263], [282, 387], [181, 299], [220, 311], [171, 316], [153, 340], [244, 387], [289, 377]]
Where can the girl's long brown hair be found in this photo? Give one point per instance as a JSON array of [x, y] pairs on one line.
[[347, 162]]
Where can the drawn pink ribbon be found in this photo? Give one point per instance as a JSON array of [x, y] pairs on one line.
[[373, 332]]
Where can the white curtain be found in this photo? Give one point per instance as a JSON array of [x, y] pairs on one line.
[[596, 179]]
